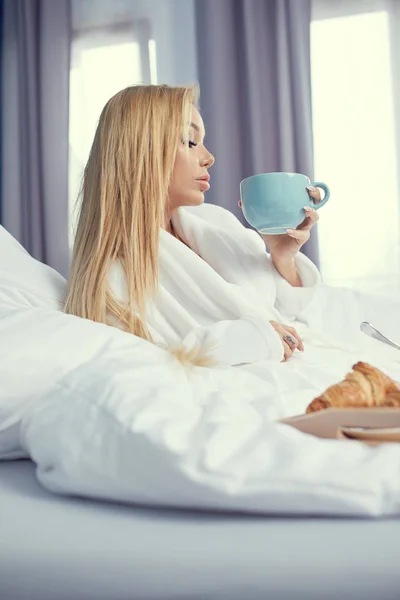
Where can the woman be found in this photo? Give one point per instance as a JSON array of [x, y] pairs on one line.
[[132, 189], [150, 257]]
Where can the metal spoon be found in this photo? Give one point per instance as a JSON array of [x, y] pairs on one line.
[[370, 330]]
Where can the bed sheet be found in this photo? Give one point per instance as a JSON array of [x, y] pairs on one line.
[[54, 548]]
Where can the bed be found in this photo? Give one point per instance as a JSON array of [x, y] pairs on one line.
[[55, 548]]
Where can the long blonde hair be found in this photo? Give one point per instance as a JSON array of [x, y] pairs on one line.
[[124, 194]]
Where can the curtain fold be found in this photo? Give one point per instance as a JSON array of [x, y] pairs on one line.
[[255, 81], [35, 108]]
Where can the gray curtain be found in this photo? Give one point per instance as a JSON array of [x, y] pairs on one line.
[[255, 92], [1, 61], [35, 101]]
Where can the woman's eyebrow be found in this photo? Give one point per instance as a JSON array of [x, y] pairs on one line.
[[195, 127]]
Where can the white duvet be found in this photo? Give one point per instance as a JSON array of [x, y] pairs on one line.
[[132, 425], [121, 419]]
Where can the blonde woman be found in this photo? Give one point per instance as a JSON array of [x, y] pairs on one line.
[[152, 258]]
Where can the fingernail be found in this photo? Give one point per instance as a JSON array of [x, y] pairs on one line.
[[309, 208], [289, 230], [311, 188]]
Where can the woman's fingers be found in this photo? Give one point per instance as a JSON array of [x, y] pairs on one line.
[[287, 351], [311, 218], [289, 337], [292, 330], [290, 340], [314, 193], [312, 214], [300, 235]]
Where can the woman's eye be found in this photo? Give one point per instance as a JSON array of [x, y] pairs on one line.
[[192, 144]]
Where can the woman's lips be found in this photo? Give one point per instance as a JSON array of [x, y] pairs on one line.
[[203, 184]]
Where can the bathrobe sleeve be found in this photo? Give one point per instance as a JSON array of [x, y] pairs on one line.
[[291, 301], [235, 342], [241, 257]]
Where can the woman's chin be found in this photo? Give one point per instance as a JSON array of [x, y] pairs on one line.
[[194, 199]]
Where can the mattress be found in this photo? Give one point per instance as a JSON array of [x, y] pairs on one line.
[[54, 548]]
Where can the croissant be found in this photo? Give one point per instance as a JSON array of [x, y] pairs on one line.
[[364, 386]]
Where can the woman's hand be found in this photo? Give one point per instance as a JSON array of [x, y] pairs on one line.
[[283, 248], [290, 339]]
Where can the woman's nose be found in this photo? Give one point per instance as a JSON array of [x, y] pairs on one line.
[[208, 160]]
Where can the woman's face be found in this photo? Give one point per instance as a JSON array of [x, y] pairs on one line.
[[190, 178]]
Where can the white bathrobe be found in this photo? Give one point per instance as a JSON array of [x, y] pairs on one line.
[[222, 291]]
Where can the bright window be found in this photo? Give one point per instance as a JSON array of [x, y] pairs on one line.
[[102, 64], [355, 153]]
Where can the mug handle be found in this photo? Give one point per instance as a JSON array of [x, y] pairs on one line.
[[324, 187]]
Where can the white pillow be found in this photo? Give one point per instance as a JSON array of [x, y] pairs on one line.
[[38, 347], [26, 281]]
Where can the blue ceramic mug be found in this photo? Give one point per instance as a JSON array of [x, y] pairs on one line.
[[274, 202]]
